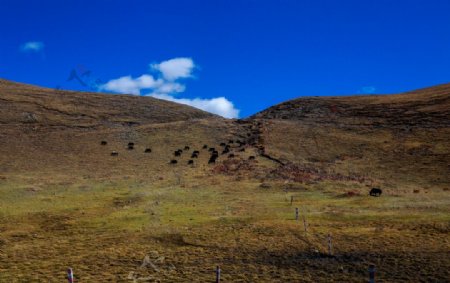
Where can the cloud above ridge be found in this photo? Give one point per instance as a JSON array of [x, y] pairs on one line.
[[175, 68], [165, 84]]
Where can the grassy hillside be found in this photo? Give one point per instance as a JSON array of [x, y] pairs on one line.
[[27, 104], [388, 140], [66, 202]]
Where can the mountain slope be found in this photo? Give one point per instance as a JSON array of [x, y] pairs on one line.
[[66, 201], [59, 132], [427, 107], [22, 103], [392, 140], [389, 140]]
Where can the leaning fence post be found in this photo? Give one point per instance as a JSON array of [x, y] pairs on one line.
[[296, 213], [330, 250], [305, 224], [217, 274], [372, 273], [70, 275]]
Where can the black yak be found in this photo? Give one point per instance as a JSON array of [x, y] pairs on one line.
[[114, 153], [186, 148], [173, 161], [375, 192], [148, 150], [191, 162], [251, 157], [205, 146], [103, 142]]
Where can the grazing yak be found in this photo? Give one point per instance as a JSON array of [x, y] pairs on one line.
[[251, 157], [186, 147], [131, 144], [191, 162], [103, 142], [177, 153], [211, 149], [222, 144], [205, 146], [130, 147], [196, 152], [114, 153], [148, 150], [173, 161], [375, 192], [194, 155], [213, 157]]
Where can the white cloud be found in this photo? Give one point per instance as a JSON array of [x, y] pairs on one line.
[[32, 46], [219, 105], [165, 85], [170, 87], [129, 85], [176, 68]]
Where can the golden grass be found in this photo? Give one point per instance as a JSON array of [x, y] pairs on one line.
[[105, 229], [65, 201]]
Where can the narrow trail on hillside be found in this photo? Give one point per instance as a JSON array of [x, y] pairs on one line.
[[255, 137]]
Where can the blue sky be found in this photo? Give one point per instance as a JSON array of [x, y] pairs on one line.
[[225, 55]]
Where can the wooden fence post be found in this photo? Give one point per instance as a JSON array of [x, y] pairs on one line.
[[371, 273], [330, 247], [292, 199], [70, 275], [217, 274], [305, 224], [296, 213]]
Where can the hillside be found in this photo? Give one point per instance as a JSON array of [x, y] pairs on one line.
[[389, 140], [423, 108], [27, 104], [51, 131], [367, 138], [75, 193]]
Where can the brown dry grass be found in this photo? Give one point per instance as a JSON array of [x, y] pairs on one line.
[[64, 201], [105, 230]]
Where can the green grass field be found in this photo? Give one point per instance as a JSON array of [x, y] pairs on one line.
[[189, 224]]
